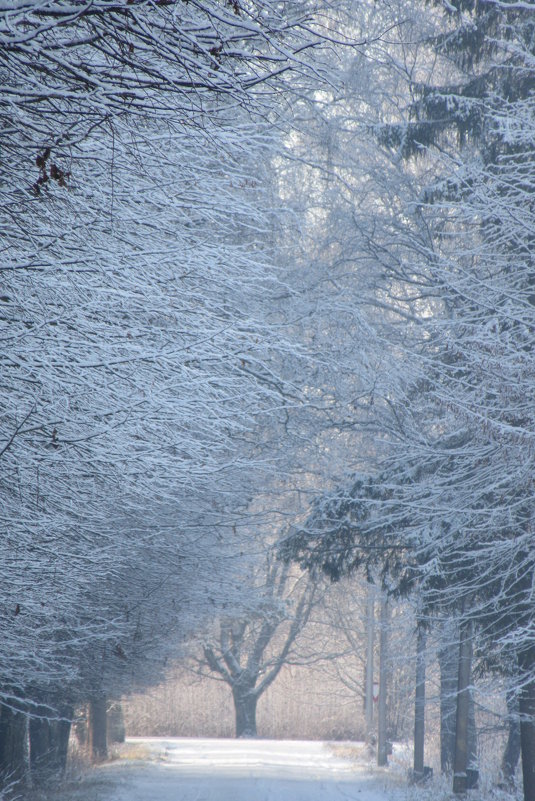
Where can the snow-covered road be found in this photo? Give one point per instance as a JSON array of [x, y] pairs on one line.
[[238, 770]]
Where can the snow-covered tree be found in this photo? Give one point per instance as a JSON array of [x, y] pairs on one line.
[[137, 352], [249, 651], [439, 206]]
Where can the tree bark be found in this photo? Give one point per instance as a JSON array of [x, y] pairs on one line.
[[63, 733], [472, 761], [527, 736], [116, 728], [98, 739], [382, 750], [13, 732], [448, 700], [49, 739], [40, 749], [419, 706], [370, 621], [511, 752], [245, 702], [463, 704]]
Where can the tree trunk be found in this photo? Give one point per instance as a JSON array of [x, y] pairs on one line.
[[245, 708], [382, 746], [463, 705], [527, 736], [98, 740], [419, 706], [448, 699], [370, 637], [13, 736], [40, 749], [511, 752], [62, 733], [116, 728], [48, 740], [472, 771]]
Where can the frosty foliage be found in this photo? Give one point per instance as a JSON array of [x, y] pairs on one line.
[[428, 229], [162, 378], [138, 361]]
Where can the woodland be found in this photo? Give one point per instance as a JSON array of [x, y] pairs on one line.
[[267, 317]]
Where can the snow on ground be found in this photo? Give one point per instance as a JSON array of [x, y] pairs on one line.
[[172, 769]]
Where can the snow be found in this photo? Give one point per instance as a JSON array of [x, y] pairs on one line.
[[239, 770]]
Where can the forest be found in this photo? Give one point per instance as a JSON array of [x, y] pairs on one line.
[[267, 319]]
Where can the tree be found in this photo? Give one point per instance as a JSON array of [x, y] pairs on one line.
[[452, 271], [137, 348], [511, 752], [419, 705], [382, 747], [116, 60], [250, 651], [485, 204]]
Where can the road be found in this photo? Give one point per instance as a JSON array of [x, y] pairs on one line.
[[237, 770]]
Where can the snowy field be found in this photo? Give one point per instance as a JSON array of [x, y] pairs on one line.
[[237, 770]]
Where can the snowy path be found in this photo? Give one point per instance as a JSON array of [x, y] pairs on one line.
[[238, 770]]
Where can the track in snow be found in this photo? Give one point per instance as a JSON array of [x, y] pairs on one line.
[[239, 770]]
